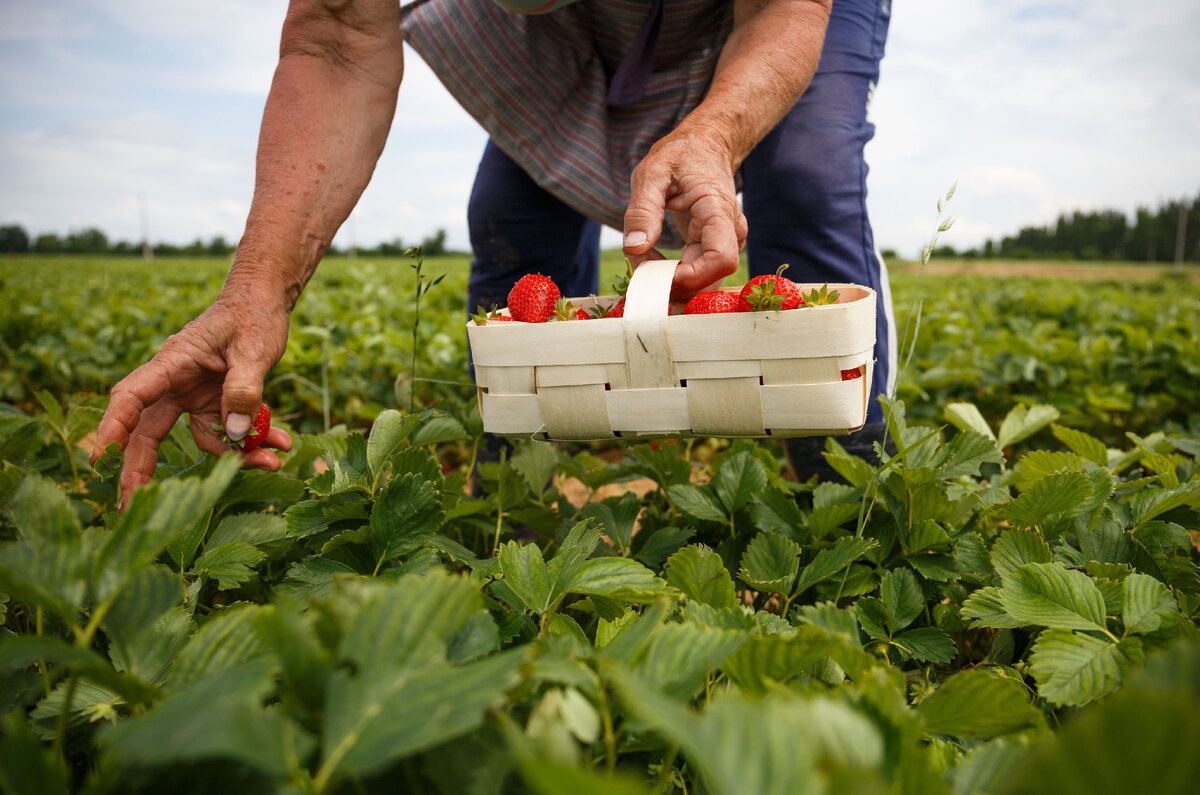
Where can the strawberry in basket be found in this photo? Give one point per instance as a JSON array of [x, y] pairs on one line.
[[533, 298]]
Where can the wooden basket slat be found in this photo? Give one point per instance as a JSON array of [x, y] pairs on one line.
[[575, 412], [572, 374], [725, 406]]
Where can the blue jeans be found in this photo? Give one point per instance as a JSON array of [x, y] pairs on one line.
[[804, 194]]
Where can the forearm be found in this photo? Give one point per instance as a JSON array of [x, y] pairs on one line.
[[764, 67], [324, 126]]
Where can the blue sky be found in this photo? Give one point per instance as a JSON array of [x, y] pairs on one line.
[[1033, 108]]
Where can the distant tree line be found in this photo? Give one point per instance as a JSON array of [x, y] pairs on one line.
[[1149, 236], [15, 240]]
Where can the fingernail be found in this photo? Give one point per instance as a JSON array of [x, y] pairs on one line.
[[635, 239], [236, 426]]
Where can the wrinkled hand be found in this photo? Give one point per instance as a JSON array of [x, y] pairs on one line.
[[212, 370], [689, 174]]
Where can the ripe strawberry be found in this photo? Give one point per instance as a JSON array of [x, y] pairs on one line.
[[770, 291], [617, 309], [532, 298], [565, 310], [255, 436], [712, 303], [850, 375]]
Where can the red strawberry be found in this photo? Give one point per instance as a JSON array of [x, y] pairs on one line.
[[565, 310], [712, 303], [850, 375], [770, 291], [617, 309], [255, 436], [532, 298]]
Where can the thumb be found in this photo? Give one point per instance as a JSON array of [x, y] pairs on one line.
[[644, 215], [241, 396]]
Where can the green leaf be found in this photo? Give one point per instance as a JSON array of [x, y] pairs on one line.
[[1082, 444], [829, 562], [229, 564], [157, 514], [229, 639], [1064, 493], [770, 563], [678, 658], [389, 433], [1147, 604], [249, 528], [144, 633], [624, 579], [1015, 548], [1023, 422], [872, 615], [699, 573], [526, 574], [766, 659], [1072, 668], [218, 717], [617, 515], [901, 597], [27, 766], [49, 567], [697, 503], [737, 480], [304, 664], [1150, 503], [567, 564], [780, 744], [984, 608], [964, 454], [777, 511], [535, 462], [314, 516], [438, 429], [1051, 595], [406, 515], [975, 703], [928, 644], [109, 464], [1135, 740], [967, 417], [392, 698]]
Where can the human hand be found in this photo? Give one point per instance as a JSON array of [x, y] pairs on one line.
[[690, 174], [212, 370]]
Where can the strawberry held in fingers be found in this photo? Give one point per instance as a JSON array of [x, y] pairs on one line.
[[532, 298], [712, 303], [255, 436], [770, 291]]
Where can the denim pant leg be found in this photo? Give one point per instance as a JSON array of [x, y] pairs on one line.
[[516, 227], [804, 189]]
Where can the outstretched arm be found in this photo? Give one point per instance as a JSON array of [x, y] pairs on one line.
[[324, 125], [764, 67]]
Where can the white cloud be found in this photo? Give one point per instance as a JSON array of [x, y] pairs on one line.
[[1033, 107]]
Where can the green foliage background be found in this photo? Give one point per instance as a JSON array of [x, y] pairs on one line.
[[1005, 604]]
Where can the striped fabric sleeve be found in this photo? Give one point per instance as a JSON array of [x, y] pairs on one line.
[[532, 6]]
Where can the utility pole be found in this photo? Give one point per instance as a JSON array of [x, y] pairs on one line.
[[144, 217]]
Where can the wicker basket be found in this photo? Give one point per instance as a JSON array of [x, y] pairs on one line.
[[650, 374]]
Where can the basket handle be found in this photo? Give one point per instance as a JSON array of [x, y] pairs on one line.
[[647, 341]]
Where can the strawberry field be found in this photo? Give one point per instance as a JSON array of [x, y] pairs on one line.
[[1006, 604]]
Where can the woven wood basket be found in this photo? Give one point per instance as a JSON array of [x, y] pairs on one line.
[[650, 374]]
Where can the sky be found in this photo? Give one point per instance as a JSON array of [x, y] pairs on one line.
[[119, 113]]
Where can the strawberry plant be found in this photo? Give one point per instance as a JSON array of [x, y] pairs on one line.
[[1002, 601]]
